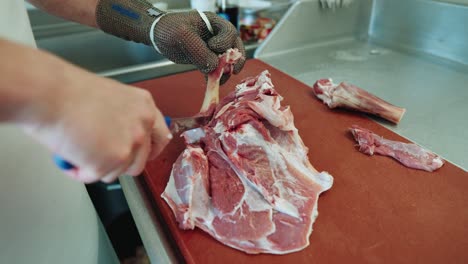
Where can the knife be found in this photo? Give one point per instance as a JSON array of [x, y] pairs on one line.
[[181, 124], [176, 125]]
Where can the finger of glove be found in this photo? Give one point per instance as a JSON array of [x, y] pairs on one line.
[[198, 53], [240, 63], [225, 34], [176, 57]]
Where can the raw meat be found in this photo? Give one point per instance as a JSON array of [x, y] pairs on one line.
[[245, 178], [410, 155], [352, 97]]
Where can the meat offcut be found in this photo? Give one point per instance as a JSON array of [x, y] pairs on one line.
[[349, 96], [408, 154]]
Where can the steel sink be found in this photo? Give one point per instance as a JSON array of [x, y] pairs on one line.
[[99, 52]]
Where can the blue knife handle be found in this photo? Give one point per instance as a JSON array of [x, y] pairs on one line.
[[65, 165], [62, 164], [168, 121]]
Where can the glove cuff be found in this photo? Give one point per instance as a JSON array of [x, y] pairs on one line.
[[202, 15], [127, 19]]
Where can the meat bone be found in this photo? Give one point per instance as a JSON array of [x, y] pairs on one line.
[[225, 66]]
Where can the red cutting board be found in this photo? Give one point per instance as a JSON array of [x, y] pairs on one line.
[[377, 211]]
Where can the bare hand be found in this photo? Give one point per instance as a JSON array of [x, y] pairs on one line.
[[106, 129]]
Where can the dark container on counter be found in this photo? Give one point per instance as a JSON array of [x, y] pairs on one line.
[[229, 12]]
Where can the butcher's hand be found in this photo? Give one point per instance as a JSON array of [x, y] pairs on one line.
[[196, 45], [182, 37], [105, 128]]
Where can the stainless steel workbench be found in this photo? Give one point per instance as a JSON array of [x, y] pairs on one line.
[[393, 49], [435, 96], [402, 55]]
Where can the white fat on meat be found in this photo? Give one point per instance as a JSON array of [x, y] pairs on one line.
[[279, 160], [193, 135], [245, 177]]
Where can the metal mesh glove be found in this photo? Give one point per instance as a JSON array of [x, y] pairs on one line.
[[185, 38], [182, 37]]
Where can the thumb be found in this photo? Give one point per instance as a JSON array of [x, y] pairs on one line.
[[160, 136]]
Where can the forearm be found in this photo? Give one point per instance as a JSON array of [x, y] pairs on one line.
[[80, 11], [31, 81], [103, 127], [182, 37], [127, 19]]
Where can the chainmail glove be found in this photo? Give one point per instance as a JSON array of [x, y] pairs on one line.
[[182, 37]]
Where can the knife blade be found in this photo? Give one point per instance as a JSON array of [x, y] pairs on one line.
[[176, 125], [181, 124]]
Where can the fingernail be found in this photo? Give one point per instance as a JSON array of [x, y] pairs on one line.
[[169, 136]]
